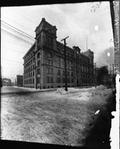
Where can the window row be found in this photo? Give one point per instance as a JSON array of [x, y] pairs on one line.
[[32, 61], [29, 62], [49, 61], [29, 81], [49, 71], [49, 79], [62, 80], [27, 75], [29, 56], [59, 73], [29, 69]]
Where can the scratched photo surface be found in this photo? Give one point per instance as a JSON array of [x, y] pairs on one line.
[[58, 73]]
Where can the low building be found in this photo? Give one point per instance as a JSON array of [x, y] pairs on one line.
[[19, 80], [44, 62], [6, 82]]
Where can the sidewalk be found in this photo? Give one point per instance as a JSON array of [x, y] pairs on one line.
[[16, 89], [36, 90]]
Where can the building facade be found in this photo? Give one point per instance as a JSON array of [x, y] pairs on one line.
[[116, 36], [19, 80], [44, 62]]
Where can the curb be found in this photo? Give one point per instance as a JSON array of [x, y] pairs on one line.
[[26, 92]]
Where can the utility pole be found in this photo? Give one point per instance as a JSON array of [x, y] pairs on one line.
[[95, 74], [64, 39], [86, 43], [113, 68]]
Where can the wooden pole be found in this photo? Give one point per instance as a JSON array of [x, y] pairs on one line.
[[64, 39]]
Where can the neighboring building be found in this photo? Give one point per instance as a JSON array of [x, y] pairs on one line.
[[104, 77], [1, 84], [116, 36], [6, 82], [44, 62], [19, 81]]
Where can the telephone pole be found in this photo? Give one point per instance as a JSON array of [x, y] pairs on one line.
[[64, 39], [95, 80]]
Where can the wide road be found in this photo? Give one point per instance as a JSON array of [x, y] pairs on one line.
[[13, 89], [50, 117], [21, 90]]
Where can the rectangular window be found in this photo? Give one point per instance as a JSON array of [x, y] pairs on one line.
[[59, 61], [72, 74], [63, 73], [48, 79], [38, 79], [38, 71], [48, 70], [58, 73], [68, 80], [72, 80], [63, 80], [58, 80], [51, 79], [51, 70], [68, 73]]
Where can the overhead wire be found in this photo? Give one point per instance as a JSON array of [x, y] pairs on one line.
[[18, 30], [13, 34]]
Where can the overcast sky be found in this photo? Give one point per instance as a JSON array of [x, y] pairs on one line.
[[85, 27]]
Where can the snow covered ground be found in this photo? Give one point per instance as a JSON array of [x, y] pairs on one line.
[[56, 117], [115, 130]]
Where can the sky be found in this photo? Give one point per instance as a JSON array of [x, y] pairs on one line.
[[88, 25]]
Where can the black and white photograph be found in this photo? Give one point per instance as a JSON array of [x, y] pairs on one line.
[[60, 74]]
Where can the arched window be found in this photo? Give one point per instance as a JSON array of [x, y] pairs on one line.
[[38, 55]]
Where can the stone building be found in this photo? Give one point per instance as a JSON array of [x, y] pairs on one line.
[[44, 62]]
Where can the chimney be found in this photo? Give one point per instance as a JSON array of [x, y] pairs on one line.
[[77, 49]]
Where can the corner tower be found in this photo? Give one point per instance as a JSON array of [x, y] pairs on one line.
[[45, 47], [46, 35]]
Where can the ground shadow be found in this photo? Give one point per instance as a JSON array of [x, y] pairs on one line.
[[99, 135]]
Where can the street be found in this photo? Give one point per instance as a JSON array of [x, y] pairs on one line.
[[21, 90], [12, 89], [50, 117]]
